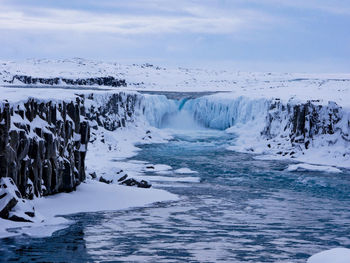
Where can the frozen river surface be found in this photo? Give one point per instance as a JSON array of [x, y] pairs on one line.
[[236, 209]]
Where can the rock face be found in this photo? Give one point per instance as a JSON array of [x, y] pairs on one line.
[[292, 128], [112, 111], [124, 180], [43, 146], [101, 81], [298, 125], [12, 205]]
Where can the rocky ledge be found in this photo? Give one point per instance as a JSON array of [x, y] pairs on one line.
[[43, 144], [100, 81]]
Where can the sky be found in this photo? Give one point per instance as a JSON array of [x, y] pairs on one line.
[[250, 35]]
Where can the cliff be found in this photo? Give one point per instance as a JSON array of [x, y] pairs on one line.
[[43, 143]]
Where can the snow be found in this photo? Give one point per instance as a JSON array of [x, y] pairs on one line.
[[335, 255], [171, 179], [91, 196], [106, 159], [185, 171], [242, 110], [310, 167], [248, 117], [105, 197], [323, 87]]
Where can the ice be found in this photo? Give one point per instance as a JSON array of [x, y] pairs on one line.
[[310, 167], [171, 179], [242, 110], [91, 196], [185, 171], [335, 255], [156, 108]]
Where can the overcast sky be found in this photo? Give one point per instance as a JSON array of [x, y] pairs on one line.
[[256, 35]]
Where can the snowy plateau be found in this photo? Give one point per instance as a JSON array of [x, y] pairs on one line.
[[96, 114]]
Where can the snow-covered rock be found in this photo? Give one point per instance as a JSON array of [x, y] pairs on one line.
[[101, 81], [12, 205], [335, 255], [310, 167], [307, 131]]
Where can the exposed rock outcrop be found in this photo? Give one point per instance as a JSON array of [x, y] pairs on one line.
[[112, 111], [43, 144], [288, 128], [12, 205], [101, 81], [298, 125], [124, 180]]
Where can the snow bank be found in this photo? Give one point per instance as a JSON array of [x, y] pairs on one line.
[[310, 167], [91, 196], [335, 255], [94, 196], [185, 171], [171, 179]]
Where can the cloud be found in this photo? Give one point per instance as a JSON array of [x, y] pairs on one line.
[[188, 19], [335, 7]]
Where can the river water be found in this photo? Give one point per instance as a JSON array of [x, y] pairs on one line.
[[240, 210]]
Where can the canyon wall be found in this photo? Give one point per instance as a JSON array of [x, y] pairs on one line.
[[278, 127], [100, 81], [43, 143]]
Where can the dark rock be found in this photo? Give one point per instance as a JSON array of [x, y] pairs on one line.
[[103, 180], [93, 175], [122, 178], [101, 81], [144, 184], [54, 159], [50, 158], [303, 122], [12, 206], [133, 182], [130, 182]]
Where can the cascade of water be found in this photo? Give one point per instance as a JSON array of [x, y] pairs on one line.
[[204, 112]]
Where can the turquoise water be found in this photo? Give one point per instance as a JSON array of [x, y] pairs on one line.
[[241, 210]]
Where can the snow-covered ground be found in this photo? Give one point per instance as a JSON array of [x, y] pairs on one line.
[[335, 255], [105, 158], [302, 86], [247, 103], [310, 167], [93, 195]]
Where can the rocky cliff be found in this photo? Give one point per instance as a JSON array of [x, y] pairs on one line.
[[299, 126], [290, 128], [43, 143], [101, 81]]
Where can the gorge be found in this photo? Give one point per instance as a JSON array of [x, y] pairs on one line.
[[67, 154]]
